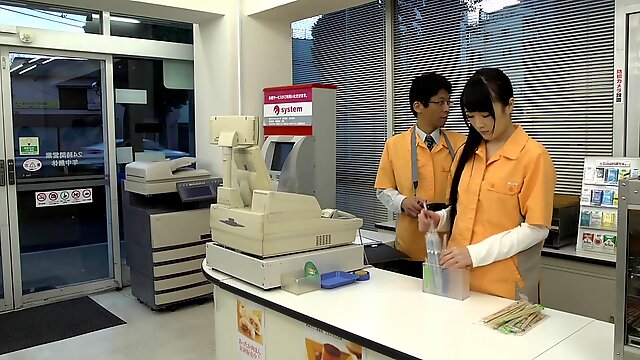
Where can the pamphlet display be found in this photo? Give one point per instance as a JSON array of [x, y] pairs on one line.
[[599, 202]]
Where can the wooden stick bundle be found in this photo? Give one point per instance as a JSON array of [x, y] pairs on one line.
[[518, 317]]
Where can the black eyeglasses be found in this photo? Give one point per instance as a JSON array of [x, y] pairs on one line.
[[442, 102]]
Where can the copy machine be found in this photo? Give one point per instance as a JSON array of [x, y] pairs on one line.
[[166, 225]]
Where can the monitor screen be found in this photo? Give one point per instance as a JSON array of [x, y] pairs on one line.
[[197, 192], [280, 152]]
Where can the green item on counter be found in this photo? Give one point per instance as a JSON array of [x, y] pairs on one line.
[[310, 269], [426, 276]]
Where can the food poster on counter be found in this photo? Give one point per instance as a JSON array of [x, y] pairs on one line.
[[321, 345], [250, 322]]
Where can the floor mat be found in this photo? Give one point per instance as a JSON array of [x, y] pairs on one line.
[[53, 322]]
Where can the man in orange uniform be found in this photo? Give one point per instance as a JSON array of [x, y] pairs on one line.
[[415, 166]]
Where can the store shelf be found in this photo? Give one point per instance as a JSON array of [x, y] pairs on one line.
[[598, 229], [600, 206], [613, 186], [596, 255]]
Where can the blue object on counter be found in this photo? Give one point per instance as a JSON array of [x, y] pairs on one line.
[[363, 275], [336, 279]]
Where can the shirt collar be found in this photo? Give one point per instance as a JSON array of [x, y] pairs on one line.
[[435, 134], [514, 145]]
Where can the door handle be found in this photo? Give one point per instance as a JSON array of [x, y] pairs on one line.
[[11, 170], [2, 178]]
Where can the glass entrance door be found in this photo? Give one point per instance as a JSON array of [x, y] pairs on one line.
[[58, 189]]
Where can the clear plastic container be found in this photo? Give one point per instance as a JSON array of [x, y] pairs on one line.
[[452, 283], [296, 283]]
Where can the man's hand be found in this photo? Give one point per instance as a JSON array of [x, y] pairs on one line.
[[426, 218], [412, 205]]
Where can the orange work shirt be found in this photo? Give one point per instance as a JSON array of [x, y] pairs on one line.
[[495, 195], [434, 181]]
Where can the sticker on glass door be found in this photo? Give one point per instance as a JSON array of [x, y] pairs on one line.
[[32, 165], [63, 197], [29, 146]]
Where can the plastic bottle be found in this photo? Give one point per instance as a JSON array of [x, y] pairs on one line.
[[434, 250]]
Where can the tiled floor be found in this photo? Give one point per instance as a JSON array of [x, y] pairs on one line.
[[186, 334]]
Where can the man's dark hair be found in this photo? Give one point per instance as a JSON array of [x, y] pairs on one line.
[[425, 86]]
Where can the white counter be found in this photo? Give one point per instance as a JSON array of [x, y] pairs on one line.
[[594, 341], [390, 311], [368, 237]]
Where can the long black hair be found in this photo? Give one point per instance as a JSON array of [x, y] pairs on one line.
[[484, 87]]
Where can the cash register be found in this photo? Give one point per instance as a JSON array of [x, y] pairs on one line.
[[166, 225], [258, 233]]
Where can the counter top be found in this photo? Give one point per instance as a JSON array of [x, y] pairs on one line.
[[390, 314], [567, 252], [386, 225], [368, 237], [594, 341]]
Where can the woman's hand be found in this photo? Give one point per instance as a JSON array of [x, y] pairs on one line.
[[456, 258], [426, 218]]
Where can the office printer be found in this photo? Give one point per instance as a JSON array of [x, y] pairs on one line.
[[148, 178], [166, 224]]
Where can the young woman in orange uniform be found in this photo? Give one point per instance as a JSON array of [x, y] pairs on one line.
[[501, 195]]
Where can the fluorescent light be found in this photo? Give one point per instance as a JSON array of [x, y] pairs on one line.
[[16, 68], [27, 69], [125, 20], [62, 58], [36, 58], [120, 19], [68, 58]]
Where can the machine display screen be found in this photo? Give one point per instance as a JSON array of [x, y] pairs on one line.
[[197, 192], [280, 152]]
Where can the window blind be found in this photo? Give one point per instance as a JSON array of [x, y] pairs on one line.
[[557, 53], [347, 49]]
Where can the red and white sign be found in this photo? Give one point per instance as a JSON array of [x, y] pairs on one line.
[[619, 85], [283, 96], [61, 197], [288, 107]]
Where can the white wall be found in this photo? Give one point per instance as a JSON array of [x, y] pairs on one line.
[[216, 80], [224, 88], [265, 60]]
